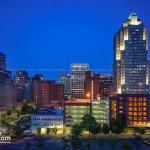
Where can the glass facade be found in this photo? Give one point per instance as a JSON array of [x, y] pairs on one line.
[[131, 65]]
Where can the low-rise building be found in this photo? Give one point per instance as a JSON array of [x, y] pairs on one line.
[[100, 111], [46, 120], [75, 109]]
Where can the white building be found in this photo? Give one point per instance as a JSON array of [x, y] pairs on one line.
[[77, 80], [47, 119]]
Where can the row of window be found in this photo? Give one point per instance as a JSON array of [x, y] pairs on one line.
[[50, 119], [45, 124]]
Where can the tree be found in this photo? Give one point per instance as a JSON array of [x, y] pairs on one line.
[[8, 112], [140, 130], [116, 126], [39, 130], [48, 130], [89, 124], [76, 136], [65, 142], [105, 129], [26, 108], [16, 131], [96, 128], [123, 120], [55, 130]]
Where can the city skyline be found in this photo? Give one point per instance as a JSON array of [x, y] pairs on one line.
[[74, 75], [80, 31]]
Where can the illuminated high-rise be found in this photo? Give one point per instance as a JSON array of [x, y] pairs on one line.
[[4, 73], [131, 65], [77, 80], [65, 80], [130, 96]]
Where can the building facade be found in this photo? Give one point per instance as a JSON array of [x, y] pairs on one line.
[[92, 86], [4, 73], [23, 84], [131, 64], [131, 73], [134, 107], [100, 111], [47, 119], [65, 80], [45, 91], [77, 80], [106, 82], [77, 108]]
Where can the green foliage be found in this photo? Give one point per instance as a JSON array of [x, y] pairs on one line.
[[27, 109], [89, 124], [16, 131], [88, 143], [65, 142], [48, 130], [8, 112], [105, 129], [76, 141], [39, 130], [76, 130], [76, 136], [55, 130], [140, 130], [117, 126]]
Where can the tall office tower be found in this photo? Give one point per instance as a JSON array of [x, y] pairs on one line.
[[131, 72], [23, 84], [131, 65], [4, 73], [77, 80], [21, 78], [92, 86], [65, 80], [106, 82]]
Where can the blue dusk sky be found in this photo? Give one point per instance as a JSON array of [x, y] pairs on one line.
[[46, 36]]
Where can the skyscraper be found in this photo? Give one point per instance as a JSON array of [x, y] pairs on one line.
[[65, 80], [23, 85], [78, 79], [4, 73], [131, 65], [21, 78], [131, 73]]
